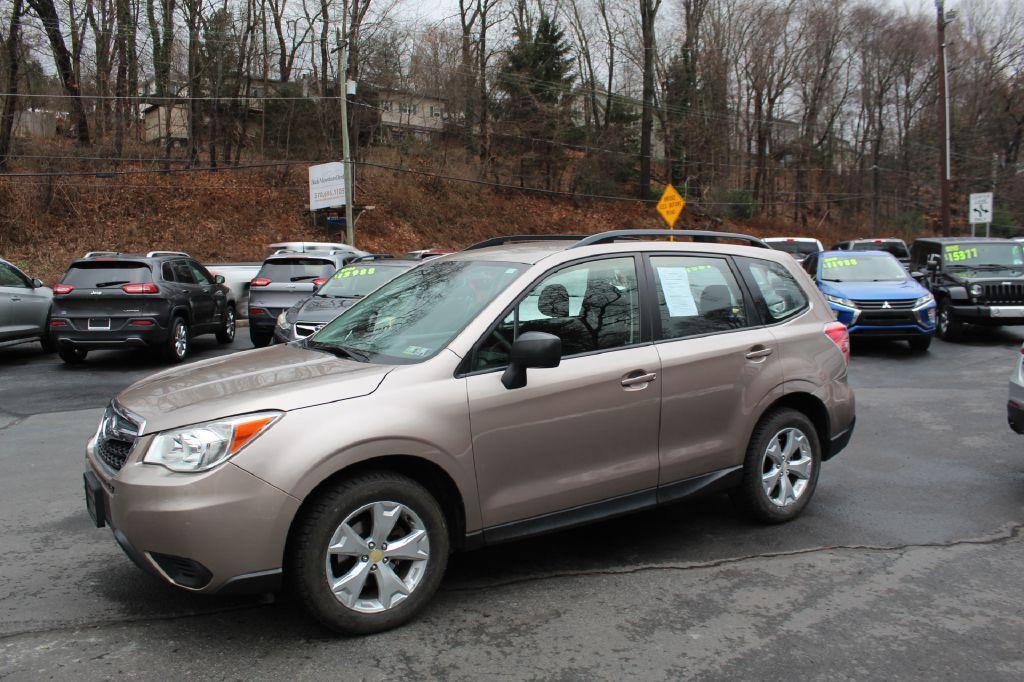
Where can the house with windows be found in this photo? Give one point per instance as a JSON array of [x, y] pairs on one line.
[[408, 113]]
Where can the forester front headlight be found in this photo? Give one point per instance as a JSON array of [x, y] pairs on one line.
[[200, 447], [924, 300], [839, 300]]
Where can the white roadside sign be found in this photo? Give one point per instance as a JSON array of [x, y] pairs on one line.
[[326, 185], [981, 208]]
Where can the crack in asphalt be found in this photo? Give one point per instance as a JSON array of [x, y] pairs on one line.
[[1013, 532]]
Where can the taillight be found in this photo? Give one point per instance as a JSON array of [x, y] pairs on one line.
[[257, 311], [141, 323], [319, 281], [259, 282], [62, 288], [840, 336], [140, 289], [58, 323]]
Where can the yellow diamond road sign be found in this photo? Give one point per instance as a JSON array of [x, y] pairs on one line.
[[671, 205]]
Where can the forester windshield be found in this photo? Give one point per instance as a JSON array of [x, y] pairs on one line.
[[1002, 255], [356, 281], [862, 267], [414, 316]]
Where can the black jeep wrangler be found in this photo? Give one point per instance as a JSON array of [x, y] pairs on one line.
[[976, 280], [158, 300]]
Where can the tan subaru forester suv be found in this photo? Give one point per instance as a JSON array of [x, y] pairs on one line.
[[522, 386]]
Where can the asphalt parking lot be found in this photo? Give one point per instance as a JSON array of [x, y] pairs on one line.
[[906, 564]]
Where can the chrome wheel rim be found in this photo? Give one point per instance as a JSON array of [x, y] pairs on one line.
[[943, 320], [229, 324], [786, 467], [180, 340], [377, 557]]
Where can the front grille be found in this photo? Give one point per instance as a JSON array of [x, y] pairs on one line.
[[304, 329], [116, 437], [883, 319], [898, 304], [113, 453], [1004, 293]]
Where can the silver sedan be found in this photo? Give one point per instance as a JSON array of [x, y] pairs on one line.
[[24, 307]]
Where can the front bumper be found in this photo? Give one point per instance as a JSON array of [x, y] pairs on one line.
[[220, 530], [895, 324], [993, 315], [1015, 415]]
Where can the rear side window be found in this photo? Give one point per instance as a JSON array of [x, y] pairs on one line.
[[296, 269], [696, 296], [777, 294], [100, 274], [168, 272]]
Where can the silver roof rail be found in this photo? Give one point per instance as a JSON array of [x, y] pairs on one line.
[[98, 254], [154, 254]]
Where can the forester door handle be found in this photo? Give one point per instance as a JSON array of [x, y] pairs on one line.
[[642, 379]]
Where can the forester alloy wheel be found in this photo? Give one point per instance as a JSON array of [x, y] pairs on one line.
[[786, 467], [377, 556]]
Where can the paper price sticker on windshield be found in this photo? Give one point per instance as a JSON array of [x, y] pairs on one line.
[[353, 272], [836, 262], [955, 254]]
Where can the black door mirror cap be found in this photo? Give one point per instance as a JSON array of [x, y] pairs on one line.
[[531, 349]]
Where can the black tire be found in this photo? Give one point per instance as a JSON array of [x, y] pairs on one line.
[[751, 496], [71, 355], [47, 342], [172, 352], [306, 559], [260, 339], [948, 327], [920, 344], [226, 334]]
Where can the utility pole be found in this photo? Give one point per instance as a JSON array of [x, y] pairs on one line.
[[350, 227], [942, 19]]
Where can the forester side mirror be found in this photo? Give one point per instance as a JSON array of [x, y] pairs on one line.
[[531, 349]]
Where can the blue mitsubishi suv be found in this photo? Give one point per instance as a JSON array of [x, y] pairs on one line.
[[873, 295]]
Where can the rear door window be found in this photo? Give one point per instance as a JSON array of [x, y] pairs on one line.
[[168, 272], [182, 272], [777, 294], [100, 274], [697, 295], [296, 269]]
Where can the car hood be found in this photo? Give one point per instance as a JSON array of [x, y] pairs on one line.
[[874, 291], [1015, 276], [320, 309], [284, 377]]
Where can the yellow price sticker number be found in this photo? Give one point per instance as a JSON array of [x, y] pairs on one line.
[[345, 273], [955, 254], [835, 262]]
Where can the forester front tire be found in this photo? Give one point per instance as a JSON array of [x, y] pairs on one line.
[[780, 472], [368, 553]]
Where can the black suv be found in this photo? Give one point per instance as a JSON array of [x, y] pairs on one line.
[[897, 247], [975, 280], [160, 299]]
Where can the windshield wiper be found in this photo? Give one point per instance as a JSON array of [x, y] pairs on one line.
[[829, 279], [340, 351], [109, 284], [303, 277]]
